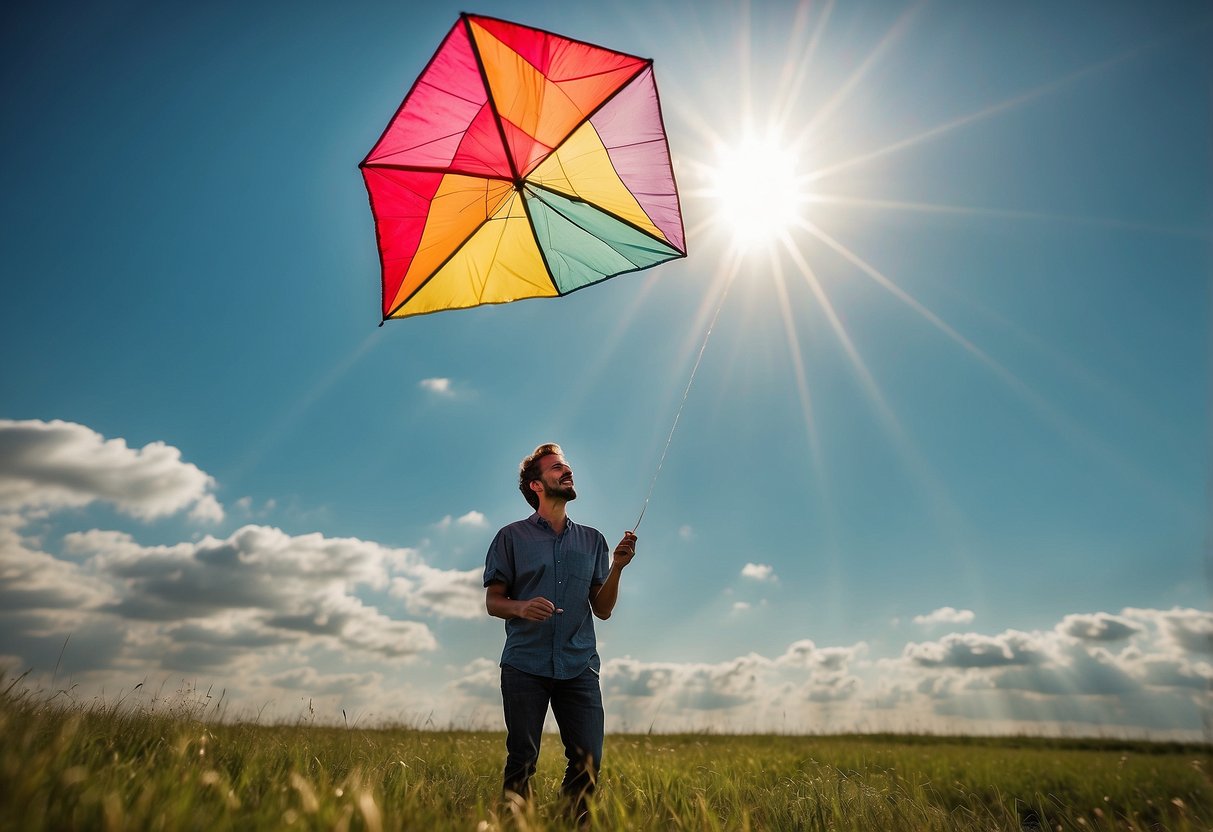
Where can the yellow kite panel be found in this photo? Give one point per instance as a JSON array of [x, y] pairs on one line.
[[581, 168], [459, 206], [500, 263]]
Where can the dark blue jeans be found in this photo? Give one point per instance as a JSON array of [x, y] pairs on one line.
[[577, 706]]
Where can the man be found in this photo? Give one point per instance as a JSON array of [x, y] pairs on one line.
[[545, 575]]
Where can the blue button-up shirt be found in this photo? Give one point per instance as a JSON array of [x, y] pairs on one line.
[[533, 561]]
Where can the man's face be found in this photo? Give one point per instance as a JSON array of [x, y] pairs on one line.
[[556, 477]]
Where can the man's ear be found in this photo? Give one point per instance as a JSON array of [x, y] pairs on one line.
[[535, 485]]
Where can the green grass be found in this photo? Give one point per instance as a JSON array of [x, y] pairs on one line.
[[173, 765]]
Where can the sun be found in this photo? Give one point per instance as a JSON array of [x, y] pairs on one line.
[[756, 188]]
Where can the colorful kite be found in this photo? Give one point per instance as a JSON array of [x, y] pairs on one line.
[[521, 164]]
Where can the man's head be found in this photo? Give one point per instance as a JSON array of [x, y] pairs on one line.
[[545, 471]]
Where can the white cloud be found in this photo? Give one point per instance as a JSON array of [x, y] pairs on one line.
[[799, 653], [473, 519], [745, 693], [807, 655], [207, 510], [298, 589], [945, 615], [964, 650], [1134, 672], [246, 507], [55, 465], [1098, 627], [446, 593], [480, 680], [759, 572], [685, 685], [437, 386], [282, 616], [1190, 630], [309, 681], [34, 580]]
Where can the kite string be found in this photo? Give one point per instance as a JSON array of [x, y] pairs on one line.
[[686, 392]]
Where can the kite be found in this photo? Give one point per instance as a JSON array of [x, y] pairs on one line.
[[521, 164]]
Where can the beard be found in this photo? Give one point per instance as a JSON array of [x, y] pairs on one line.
[[563, 492]]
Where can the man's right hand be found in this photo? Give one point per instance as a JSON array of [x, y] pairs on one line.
[[537, 609]]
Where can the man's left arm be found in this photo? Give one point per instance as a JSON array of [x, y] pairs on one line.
[[604, 595]]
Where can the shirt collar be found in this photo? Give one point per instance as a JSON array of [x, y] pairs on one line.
[[544, 524]]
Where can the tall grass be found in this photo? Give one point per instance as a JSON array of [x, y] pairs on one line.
[[174, 765]]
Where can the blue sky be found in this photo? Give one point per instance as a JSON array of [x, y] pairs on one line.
[[944, 465]]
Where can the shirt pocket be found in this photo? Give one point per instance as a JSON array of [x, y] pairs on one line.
[[581, 568]]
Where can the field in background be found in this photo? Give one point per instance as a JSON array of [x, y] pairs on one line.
[[101, 766]]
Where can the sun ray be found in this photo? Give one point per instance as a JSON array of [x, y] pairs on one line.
[[840, 331], [1061, 422], [827, 510], [890, 37], [908, 299], [291, 416], [1006, 213], [950, 520], [797, 356], [794, 75], [982, 114], [744, 61]]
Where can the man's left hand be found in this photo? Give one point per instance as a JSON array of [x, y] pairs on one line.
[[625, 551]]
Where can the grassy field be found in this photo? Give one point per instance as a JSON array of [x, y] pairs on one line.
[[169, 766]]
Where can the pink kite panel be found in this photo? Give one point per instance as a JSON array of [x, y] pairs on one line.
[[631, 129], [447, 100]]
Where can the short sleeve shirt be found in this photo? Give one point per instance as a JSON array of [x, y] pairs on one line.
[[532, 561]]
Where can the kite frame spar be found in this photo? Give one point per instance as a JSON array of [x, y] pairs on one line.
[[565, 206]]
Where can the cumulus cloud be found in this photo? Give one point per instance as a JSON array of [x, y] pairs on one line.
[[945, 615], [473, 519], [257, 566], [447, 593], [261, 609], [1190, 630], [55, 465], [1168, 672], [1098, 627], [299, 589], [759, 572], [687, 685], [965, 650], [805, 654], [1139, 670], [308, 680], [480, 681], [320, 616], [748, 691], [437, 386], [31, 579], [1071, 670]]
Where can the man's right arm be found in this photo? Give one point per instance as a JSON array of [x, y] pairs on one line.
[[501, 605]]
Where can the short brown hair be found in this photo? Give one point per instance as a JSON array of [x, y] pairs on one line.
[[528, 471]]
